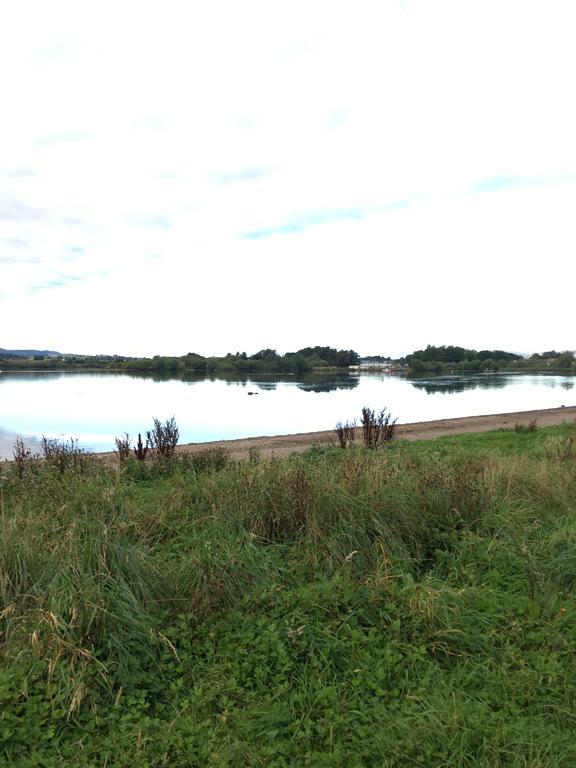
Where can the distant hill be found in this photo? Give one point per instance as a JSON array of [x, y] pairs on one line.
[[28, 352]]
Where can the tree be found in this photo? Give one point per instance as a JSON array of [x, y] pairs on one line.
[[565, 360], [265, 354]]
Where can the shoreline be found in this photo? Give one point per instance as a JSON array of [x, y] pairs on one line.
[[278, 446], [283, 445]]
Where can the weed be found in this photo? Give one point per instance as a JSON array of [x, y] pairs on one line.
[[164, 437], [561, 448], [214, 458], [64, 454], [123, 447], [300, 486], [377, 428], [141, 450], [531, 572], [254, 456], [23, 456], [522, 428], [345, 433]]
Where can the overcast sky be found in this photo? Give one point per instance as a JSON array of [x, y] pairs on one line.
[[219, 176]]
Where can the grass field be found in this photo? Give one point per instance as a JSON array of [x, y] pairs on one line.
[[409, 606]]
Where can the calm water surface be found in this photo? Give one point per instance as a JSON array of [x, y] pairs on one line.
[[96, 407]]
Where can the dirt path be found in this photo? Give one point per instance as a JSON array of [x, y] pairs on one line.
[[282, 445]]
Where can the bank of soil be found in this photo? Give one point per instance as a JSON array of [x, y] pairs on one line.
[[283, 445]]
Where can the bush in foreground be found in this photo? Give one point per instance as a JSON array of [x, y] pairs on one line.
[[378, 429]]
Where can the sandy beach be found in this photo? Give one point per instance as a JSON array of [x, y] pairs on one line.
[[283, 445]]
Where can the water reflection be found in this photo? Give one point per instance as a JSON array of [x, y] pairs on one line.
[[448, 385], [329, 386], [96, 407], [266, 386], [307, 382], [25, 376]]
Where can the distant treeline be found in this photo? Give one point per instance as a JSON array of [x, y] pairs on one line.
[[449, 359], [444, 359], [264, 361]]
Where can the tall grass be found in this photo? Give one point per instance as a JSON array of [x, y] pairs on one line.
[[380, 607]]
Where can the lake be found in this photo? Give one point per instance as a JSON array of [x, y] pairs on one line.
[[97, 407]]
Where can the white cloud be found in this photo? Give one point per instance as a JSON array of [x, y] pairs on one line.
[[149, 138]]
